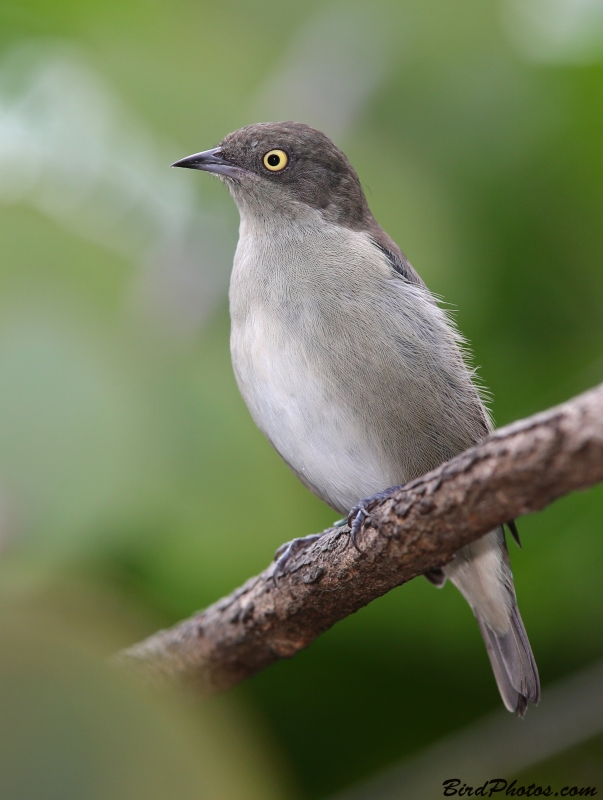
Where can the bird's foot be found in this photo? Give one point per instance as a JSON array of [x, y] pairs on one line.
[[360, 513], [288, 549], [355, 520]]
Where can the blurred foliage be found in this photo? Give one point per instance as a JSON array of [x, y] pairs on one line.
[[129, 466], [72, 728]]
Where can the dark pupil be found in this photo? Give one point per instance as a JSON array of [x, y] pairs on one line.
[[274, 160]]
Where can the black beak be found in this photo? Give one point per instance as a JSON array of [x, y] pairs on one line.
[[208, 161]]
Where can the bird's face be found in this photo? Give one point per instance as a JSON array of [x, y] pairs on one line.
[[276, 166]]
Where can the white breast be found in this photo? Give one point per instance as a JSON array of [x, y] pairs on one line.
[[278, 295], [354, 374]]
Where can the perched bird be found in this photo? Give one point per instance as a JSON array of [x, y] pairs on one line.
[[346, 361]]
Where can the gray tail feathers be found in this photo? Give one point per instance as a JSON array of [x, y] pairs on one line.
[[512, 663], [482, 573]]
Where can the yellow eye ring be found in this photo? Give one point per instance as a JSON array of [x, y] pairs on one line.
[[275, 160]]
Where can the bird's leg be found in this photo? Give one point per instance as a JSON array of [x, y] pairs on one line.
[[360, 513], [355, 519]]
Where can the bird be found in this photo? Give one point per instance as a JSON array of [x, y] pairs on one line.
[[347, 362]]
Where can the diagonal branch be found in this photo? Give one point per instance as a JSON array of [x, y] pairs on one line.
[[516, 470]]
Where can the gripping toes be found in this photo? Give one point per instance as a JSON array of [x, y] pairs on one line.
[[355, 520], [360, 513], [288, 549]]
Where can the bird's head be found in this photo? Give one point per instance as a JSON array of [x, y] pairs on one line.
[[276, 166]]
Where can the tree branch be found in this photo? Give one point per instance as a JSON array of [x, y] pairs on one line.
[[516, 470]]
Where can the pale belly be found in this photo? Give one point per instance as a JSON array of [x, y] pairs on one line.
[[318, 322], [319, 438]]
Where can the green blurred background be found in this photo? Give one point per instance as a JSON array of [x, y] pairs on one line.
[[134, 487]]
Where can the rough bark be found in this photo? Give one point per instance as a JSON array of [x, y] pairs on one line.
[[517, 470]]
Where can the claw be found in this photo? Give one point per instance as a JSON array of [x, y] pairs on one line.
[[359, 515], [357, 518], [288, 549], [282, 548]]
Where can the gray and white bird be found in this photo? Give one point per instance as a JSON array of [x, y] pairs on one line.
[[346, 361]]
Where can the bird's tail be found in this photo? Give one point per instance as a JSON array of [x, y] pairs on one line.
[[482, 574], [512, 663]]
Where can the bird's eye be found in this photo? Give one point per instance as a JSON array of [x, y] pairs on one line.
[[275, 160]]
